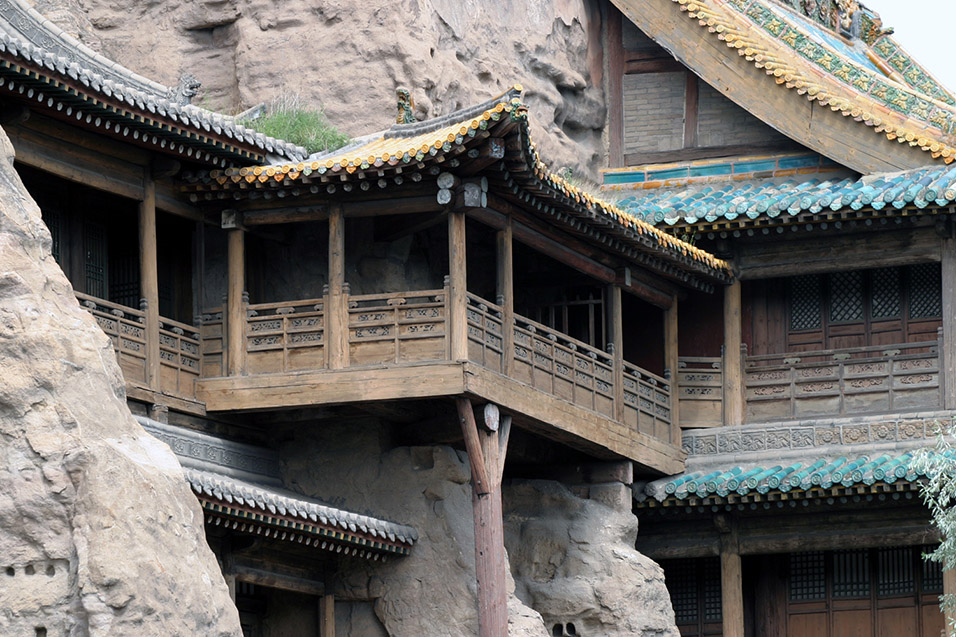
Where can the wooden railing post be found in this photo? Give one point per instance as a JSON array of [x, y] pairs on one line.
[[236, 299], [733, 361], [615, 330], [947, 350], [149, 278], [506, 298], [458, 285], [670, 368], [337, 308]]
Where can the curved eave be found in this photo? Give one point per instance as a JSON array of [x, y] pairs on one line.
[[806, 102], [388, 160]]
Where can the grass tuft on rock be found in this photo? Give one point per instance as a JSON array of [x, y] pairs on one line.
[[288, 119]]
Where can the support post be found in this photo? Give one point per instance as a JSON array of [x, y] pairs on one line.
[[458, 281], [615, 330], [733, 363], [338, 309], [235, 303], [149, 278], [731, 586], [487, 448], [671, 368], [506, 297], [948, 350], [327, 616], [949, 591]]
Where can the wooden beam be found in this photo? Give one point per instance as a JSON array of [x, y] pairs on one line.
[[285, 214], [506, 296], [484, 450], [948, 351], [331, 387], [458, 282], [273, 579], [731, 587], [327, 627], [733, 390], [615, 321], [574, 254], [235, 302], [149, 278], [828, 252], [338, 309], [670, 368]]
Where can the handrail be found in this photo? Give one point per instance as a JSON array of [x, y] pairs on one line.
[[594, 352], [86, 298], [879, 352]]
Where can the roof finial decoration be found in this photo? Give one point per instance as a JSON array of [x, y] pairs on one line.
[[406, 107], [186, 90]]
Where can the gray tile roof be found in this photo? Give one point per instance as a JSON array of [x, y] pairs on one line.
[[27, 35]]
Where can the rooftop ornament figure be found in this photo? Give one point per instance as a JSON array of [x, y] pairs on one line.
[[406, 107], [186, 90]]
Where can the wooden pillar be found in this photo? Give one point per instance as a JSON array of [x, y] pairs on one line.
[[327, 616], [731, 586], [149, 278], [733, 363], [506, 297], [458, 281], [487, 448], [235, 302], [671, 368], [615, 331], [338, 309], [948, 351], [949, 593]]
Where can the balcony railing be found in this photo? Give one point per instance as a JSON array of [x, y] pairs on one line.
[[414, 327], [838, 382], [180, 346]]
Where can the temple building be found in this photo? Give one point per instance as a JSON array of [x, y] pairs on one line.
[[743, 334]]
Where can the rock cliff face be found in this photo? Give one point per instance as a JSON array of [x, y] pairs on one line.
[[573, 560], [351, 56], [99, 533]]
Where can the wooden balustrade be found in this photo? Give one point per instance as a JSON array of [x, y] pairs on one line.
[[647, 402], [563, 367], [859, 380], [212, 342], [126, 327], [398, 328], [700, 391], [285, 337], [180, 359], [485, 333]]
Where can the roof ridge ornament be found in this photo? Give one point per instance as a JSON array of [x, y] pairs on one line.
[[406, 107], [185, 91]]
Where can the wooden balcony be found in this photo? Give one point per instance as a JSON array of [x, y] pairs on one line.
[[178, 363], [895, 379], [400, 346]]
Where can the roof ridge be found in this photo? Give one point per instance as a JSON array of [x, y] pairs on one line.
[[398, 131]]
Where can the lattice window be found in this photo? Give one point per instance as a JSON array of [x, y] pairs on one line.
[[806, 300], [53, 220], [886, 293], [925, 291], [124, 280], [94, 247], [846, 297], [851, 574], [712, 593], [932, 573], [808, 578], [681, 578], [895, 572]]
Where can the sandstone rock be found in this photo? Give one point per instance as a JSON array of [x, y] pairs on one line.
[[432, 591], [350, 57], [574, 562], [99, 533]]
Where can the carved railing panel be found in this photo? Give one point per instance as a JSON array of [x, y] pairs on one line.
[[859, 380], [285, 337], [180, 358], [647, 402], [211, 343], [564, 367], [700, 391], [126, 327], [403, 327], [485, 339]]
